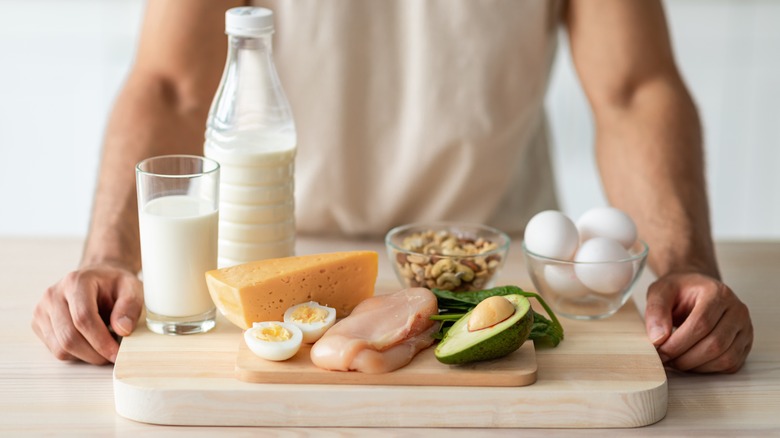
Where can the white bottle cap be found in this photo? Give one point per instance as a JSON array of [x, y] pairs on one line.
[[249, 21]]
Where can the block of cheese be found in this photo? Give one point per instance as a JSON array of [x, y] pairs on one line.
[[263, 290]]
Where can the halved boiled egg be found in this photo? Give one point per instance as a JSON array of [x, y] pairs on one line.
[[312, 318], [274, 340]]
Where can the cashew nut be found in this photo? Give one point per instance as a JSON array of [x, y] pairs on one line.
[[417, 258], [464, 272], [443, 265], [448, 280]]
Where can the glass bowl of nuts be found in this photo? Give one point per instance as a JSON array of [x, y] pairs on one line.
[[447, 255]]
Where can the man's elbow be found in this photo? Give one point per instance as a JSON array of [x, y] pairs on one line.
[[182, 95], [658, 92]]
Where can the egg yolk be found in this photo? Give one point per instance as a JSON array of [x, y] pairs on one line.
[[273, 333], [306, 314]]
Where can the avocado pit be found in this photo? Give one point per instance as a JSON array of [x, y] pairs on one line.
[[490, 312]]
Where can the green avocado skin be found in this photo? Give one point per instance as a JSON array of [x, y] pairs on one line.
[[460, 346]]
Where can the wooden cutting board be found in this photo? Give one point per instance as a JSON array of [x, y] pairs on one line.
[[517, 369], [604, 374]]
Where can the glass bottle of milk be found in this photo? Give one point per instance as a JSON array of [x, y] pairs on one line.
[[251, 133]]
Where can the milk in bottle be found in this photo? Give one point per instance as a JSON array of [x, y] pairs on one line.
[[251, 133]]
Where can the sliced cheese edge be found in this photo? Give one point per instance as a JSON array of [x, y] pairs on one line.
[[264, 289]]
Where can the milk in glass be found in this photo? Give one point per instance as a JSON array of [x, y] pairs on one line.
[[171, 227]]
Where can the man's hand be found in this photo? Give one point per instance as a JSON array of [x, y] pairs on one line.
[[713, 329], [72, 317]]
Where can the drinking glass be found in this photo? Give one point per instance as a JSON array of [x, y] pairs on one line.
[[178, 198]]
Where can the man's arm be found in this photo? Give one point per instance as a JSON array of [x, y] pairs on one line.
[[162, 109], [649, 152]]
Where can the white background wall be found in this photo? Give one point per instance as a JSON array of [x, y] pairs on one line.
[[62, 62]]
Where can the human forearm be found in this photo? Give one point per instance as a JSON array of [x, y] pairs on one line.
[[648, 140], [161, 110], [649, 152], [148, 119]]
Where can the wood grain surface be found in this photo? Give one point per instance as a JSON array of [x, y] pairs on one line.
[[604, 374], [517, 369]]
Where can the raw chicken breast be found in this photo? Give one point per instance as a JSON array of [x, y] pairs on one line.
[[382, 334]]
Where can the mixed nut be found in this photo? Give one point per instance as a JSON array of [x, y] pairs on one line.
[[445, 260]]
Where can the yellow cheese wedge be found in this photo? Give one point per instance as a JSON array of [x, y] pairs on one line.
[[263, 290]]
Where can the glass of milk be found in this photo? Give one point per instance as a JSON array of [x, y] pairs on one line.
[[178, 197]]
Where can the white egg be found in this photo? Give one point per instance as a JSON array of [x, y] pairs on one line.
[[274, 340], [605, 278], [562, 280], [551, 234], [607, 222], [312, 318]]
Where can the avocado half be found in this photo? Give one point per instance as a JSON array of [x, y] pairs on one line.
[[461, 346]]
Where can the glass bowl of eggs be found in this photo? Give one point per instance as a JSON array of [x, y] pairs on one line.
[[584, 270], [447, 255]]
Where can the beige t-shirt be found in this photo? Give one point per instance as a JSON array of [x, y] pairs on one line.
[[417, 110]]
